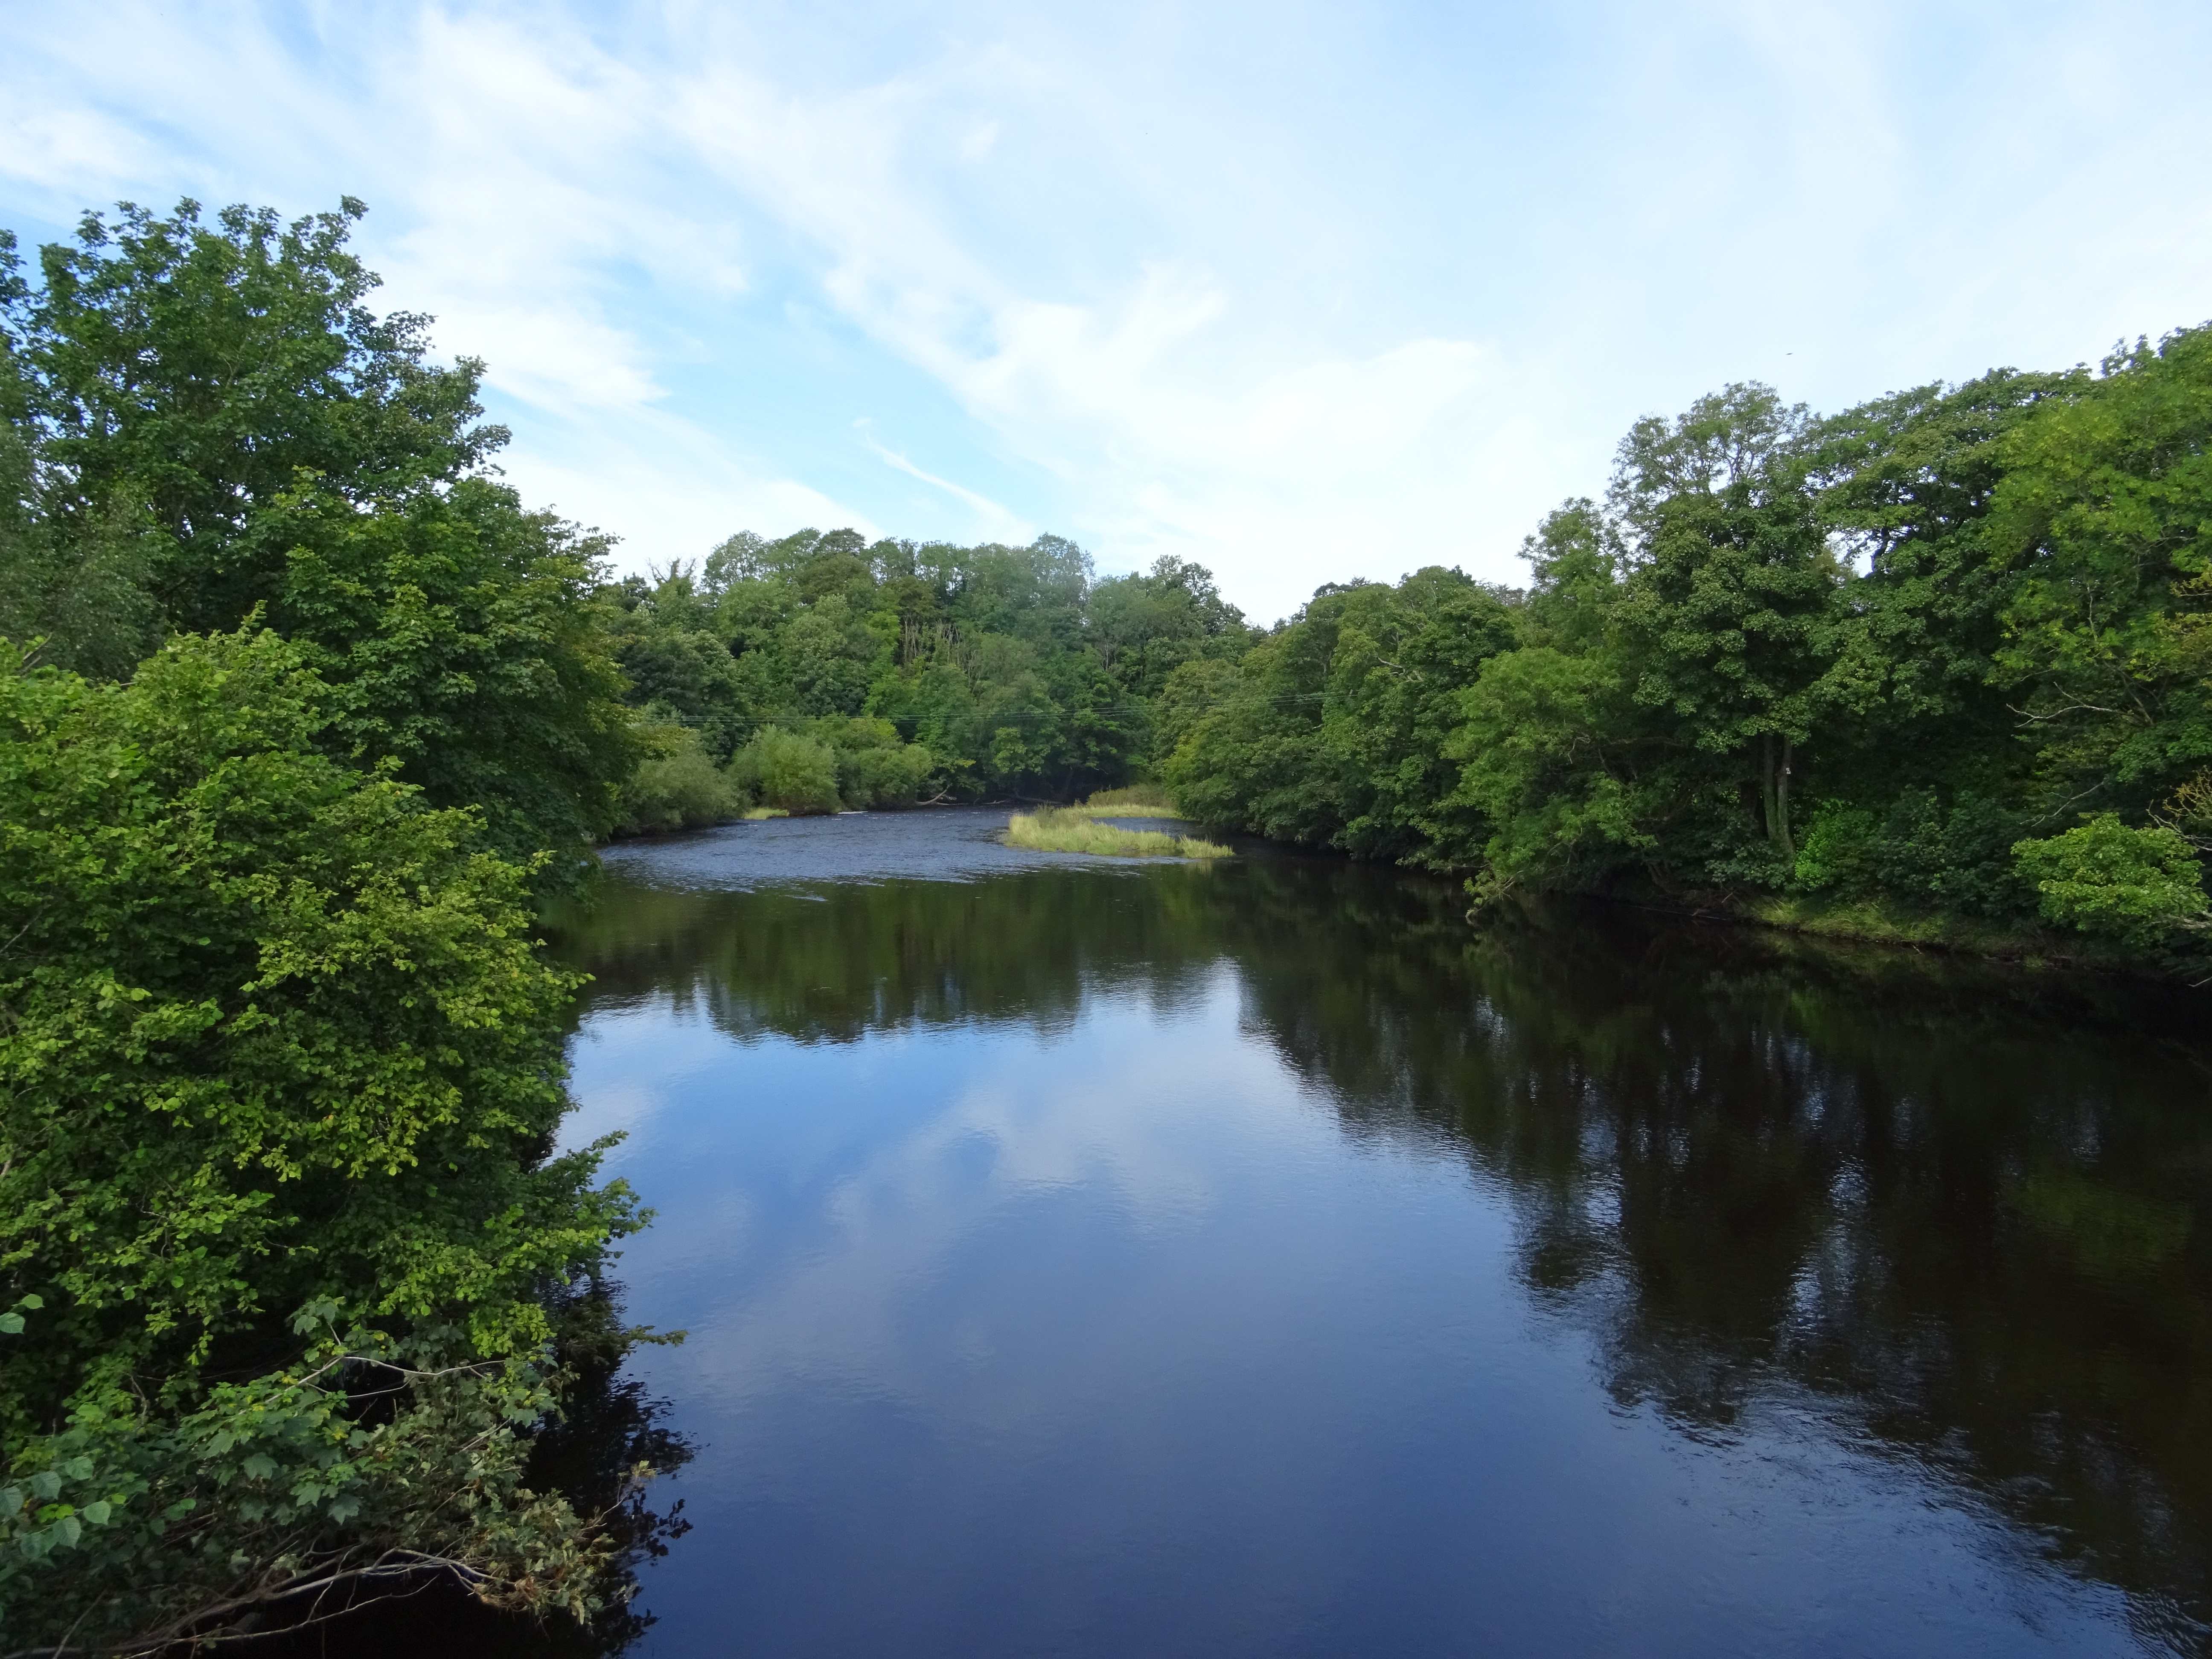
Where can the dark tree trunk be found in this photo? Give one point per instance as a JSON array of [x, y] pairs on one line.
[[1766, 783], [1782, 805]]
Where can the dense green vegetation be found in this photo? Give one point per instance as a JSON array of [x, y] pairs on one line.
[[300, 710], [1942, 655], [820, 671]]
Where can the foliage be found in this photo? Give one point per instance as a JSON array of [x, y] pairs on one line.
[[1864, 657], [679, 787], [2134, 884], [874, 768], [961, 672], [206, 423], [787, 769], [1331, 731], [458, 638], [279, 1062], [200, 369]]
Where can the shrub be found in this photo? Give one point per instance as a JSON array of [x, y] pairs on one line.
[[883, 777], [787, 769], [2135, 886], [874, 768], [680, 788], [1836, 850], [279, 1069], [1957, 859]]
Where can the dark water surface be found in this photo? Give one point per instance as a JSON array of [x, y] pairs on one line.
[[1088, 1258]]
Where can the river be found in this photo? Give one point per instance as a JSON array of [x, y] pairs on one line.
[[1096, 1258]]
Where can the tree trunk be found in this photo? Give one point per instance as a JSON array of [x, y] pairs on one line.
[[1782, 805], [1766, 782]]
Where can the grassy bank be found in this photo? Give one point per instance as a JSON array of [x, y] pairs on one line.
[[1871, 922], [1073, 829]]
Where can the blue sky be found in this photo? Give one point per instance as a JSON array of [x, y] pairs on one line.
[[1302, 292]]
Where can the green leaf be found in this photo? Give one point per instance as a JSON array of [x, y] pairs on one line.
[[11, 1324], [96, 1512], [46, 1484]]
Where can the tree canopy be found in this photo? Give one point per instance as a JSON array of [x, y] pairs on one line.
[[300, 711], [1942, 653]]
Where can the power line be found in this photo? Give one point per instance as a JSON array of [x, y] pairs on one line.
[[1005, 716]]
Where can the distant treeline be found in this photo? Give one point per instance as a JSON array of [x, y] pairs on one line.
[[822, 668], [1947, 655], [1938, 665]]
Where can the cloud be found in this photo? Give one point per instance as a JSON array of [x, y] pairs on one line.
[[1011, 528], [1302, 294]]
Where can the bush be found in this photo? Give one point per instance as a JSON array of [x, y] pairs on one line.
[[1957, 859], [1836, 850], [874, 768], [680, 788], [2135, 886], [278, 1072], [883, 777], [787, 769]]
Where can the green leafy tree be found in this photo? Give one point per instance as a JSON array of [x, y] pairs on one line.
[[1333, 730], [200, 367], [2102, 526], [207, 422], [1727, 611], [280, 1070], [461, 636]]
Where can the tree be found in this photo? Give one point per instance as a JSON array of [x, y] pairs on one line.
[[460, 636], [200, 368], [2102, 525], [208, 423], [280, 1071], [1727, 610]]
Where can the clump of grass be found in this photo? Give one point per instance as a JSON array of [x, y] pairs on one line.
[[754, 814], [1139, 800], [1070, 829]]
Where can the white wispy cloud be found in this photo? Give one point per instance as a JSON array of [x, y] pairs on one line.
[[1011, 527], [1300, 293]]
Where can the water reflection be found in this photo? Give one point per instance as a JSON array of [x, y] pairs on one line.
[[1947, 1216]]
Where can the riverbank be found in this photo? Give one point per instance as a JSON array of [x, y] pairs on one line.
[[1870, 922]]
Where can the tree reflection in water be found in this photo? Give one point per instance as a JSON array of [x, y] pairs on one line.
[[1948, 1208]]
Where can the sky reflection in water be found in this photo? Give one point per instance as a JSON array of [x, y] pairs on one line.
[[1097, 1260]]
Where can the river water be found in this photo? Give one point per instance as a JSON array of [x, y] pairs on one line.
[[1094, 1258]]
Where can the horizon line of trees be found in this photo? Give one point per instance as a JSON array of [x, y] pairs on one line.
[[819, 670]]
